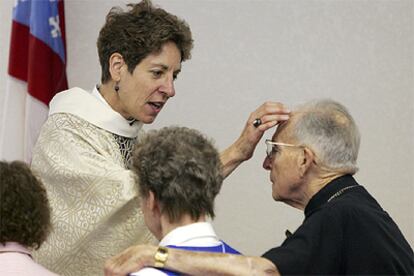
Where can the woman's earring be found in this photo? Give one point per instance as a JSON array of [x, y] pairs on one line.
[[116, 87]]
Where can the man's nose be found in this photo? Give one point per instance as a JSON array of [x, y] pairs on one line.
[[267, 163]]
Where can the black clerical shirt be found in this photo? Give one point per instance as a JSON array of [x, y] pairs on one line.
[[351, 234]]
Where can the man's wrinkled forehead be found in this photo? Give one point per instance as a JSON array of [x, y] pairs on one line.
[[284, 129], [281, 130]]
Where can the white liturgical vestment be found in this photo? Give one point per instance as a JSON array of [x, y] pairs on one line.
[[82, 157]]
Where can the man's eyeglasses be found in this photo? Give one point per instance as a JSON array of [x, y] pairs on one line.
[[272, 147]]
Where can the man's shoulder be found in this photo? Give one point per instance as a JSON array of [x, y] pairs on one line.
[[357, 200]]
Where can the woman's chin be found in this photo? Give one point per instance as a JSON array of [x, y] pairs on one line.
[[147, 119]]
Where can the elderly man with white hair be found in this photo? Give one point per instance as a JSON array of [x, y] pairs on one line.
[[311, 159]]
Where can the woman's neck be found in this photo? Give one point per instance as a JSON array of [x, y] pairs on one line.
[[112, 98], [167, 226]]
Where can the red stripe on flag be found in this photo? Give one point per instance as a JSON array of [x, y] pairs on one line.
[[19, 44], [31, 60], [46, 71]]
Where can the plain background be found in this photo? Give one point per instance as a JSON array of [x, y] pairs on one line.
[[359, 53]]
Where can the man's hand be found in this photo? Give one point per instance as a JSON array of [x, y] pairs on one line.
[[130, 260], [190, 263]]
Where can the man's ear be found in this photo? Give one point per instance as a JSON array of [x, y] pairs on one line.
[[116, 61], [305, 161]]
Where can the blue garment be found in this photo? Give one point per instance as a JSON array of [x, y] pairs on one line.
[[223, 248]]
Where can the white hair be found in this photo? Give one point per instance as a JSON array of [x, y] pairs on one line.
[[327, 127]]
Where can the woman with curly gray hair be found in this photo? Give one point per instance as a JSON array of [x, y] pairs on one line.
[[179, 172], [24, 219]]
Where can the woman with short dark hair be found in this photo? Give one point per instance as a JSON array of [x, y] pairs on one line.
[[84, 148]]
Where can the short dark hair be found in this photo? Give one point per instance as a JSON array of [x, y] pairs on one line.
[[138, 32], [183, 170], [24, 207]]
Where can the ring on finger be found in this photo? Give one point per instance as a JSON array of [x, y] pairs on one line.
[[257, 122]]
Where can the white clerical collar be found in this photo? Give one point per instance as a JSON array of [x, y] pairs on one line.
[[195, 234], [98, 95], [93, 109]]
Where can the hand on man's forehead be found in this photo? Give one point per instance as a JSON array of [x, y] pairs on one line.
[[281, 128]]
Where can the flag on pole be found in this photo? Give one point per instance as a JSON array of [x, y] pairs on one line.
[[36, 72]]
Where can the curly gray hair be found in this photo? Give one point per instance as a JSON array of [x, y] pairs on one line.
[[182, 168]]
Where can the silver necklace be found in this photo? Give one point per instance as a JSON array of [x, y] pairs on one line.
[[340, 192]]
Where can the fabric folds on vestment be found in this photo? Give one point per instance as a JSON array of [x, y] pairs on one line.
[[94, 199]]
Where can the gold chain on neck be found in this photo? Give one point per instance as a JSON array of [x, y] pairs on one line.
[[340, 192]]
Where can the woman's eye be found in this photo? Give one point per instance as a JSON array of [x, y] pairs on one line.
[[157, 74]]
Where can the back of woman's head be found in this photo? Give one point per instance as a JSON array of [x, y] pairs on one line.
[[24, 208], [183, 170], [141, 30]]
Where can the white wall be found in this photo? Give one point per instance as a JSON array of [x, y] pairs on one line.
[[357, 52]]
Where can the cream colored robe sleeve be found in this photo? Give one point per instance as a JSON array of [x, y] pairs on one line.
[[94, 200]]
